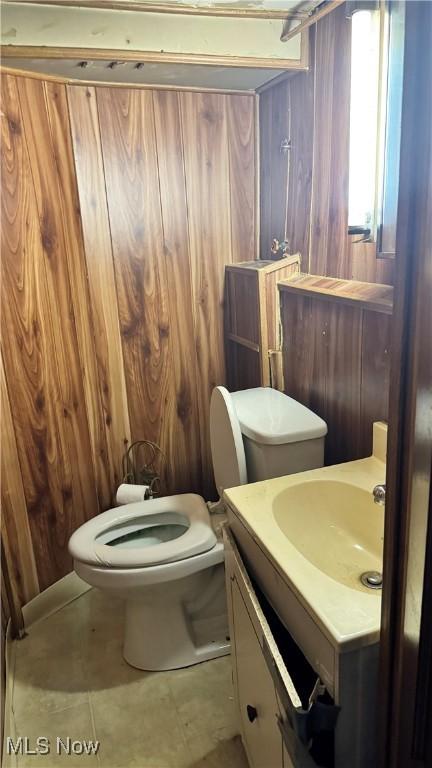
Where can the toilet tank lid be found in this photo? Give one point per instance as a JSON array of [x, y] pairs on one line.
[[271, 417]]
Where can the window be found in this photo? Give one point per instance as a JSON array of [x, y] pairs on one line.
[[375, 120], [365, 59]]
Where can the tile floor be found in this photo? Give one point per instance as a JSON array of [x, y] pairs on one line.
[[70, 680]]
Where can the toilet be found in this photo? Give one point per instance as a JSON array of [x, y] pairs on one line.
[[162, 555]]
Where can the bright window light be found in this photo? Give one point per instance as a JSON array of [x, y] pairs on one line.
[[365, 63]]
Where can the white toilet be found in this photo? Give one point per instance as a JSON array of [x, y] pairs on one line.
[[162, 555]]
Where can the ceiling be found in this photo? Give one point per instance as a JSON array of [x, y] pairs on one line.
[[151, 73], [160, 47]]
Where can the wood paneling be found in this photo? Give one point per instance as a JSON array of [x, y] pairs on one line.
[[184, 437], [274, 118], [120, 210], [241, 146], [313, 108], [131, 174], [329, 207], [94, 280], [336, 362], [16, 536], [301, 135], [206, 156], [39, 341]]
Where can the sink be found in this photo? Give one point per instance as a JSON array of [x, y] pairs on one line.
[[307, 539], [335, 525]]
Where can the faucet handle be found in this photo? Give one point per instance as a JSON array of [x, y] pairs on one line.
[[379, 494]]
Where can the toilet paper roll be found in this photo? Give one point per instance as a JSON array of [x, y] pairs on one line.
[[127, 493]]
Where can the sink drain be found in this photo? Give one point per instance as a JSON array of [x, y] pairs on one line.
[[372, 579]]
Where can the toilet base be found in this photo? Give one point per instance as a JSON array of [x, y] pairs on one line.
[[178, 624]]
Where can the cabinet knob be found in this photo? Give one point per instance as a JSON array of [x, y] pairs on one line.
[[251, 713]]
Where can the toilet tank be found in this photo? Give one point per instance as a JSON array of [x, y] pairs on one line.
[[280, 435]]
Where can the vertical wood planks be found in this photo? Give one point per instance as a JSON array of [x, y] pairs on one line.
[[241, 145], [325, 104], [40, 347], [205, 137], [274, 108], [107, 401], [301, 160], [58, 116], [375, 372], [184, 439], [131, 174], [305, 343], [120, 210], [336, 362], [16, 534], [343, 383]]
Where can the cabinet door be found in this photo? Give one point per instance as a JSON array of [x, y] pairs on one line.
[[256, 700], [266, 696]]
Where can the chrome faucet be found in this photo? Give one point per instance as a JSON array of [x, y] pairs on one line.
[[379, 494]]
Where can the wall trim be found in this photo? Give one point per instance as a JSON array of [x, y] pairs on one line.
[[118, 54]]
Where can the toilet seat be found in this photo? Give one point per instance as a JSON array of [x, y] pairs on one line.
[[88, 543]]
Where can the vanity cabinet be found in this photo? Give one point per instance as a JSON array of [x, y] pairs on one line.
[[298, 707], [278, 722]]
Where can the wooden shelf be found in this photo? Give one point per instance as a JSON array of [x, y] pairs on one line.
[[372, 296], [265, 266]]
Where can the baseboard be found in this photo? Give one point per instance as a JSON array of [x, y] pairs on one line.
[[54, 598], [8, 761]]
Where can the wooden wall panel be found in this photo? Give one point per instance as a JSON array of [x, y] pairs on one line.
[[131, 174], [329, 209], [305, 344], [120, 210], [184, 439], [205, 134], [96, 300], [274, 118], [58, 121], [336, 362], [344, 385], [375, 372], [241, 118], [39, 340], [301, 95], [16, 534], [315, 113]]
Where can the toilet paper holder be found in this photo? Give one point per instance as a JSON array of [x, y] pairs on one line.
[[146, 474]]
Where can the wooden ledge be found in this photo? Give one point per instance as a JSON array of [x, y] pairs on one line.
[[373, 296], [264, 266]]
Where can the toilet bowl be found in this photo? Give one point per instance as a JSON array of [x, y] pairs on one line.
[[162, 557]]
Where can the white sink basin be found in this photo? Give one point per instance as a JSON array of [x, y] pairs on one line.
[[315, 533], [335, 525]]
